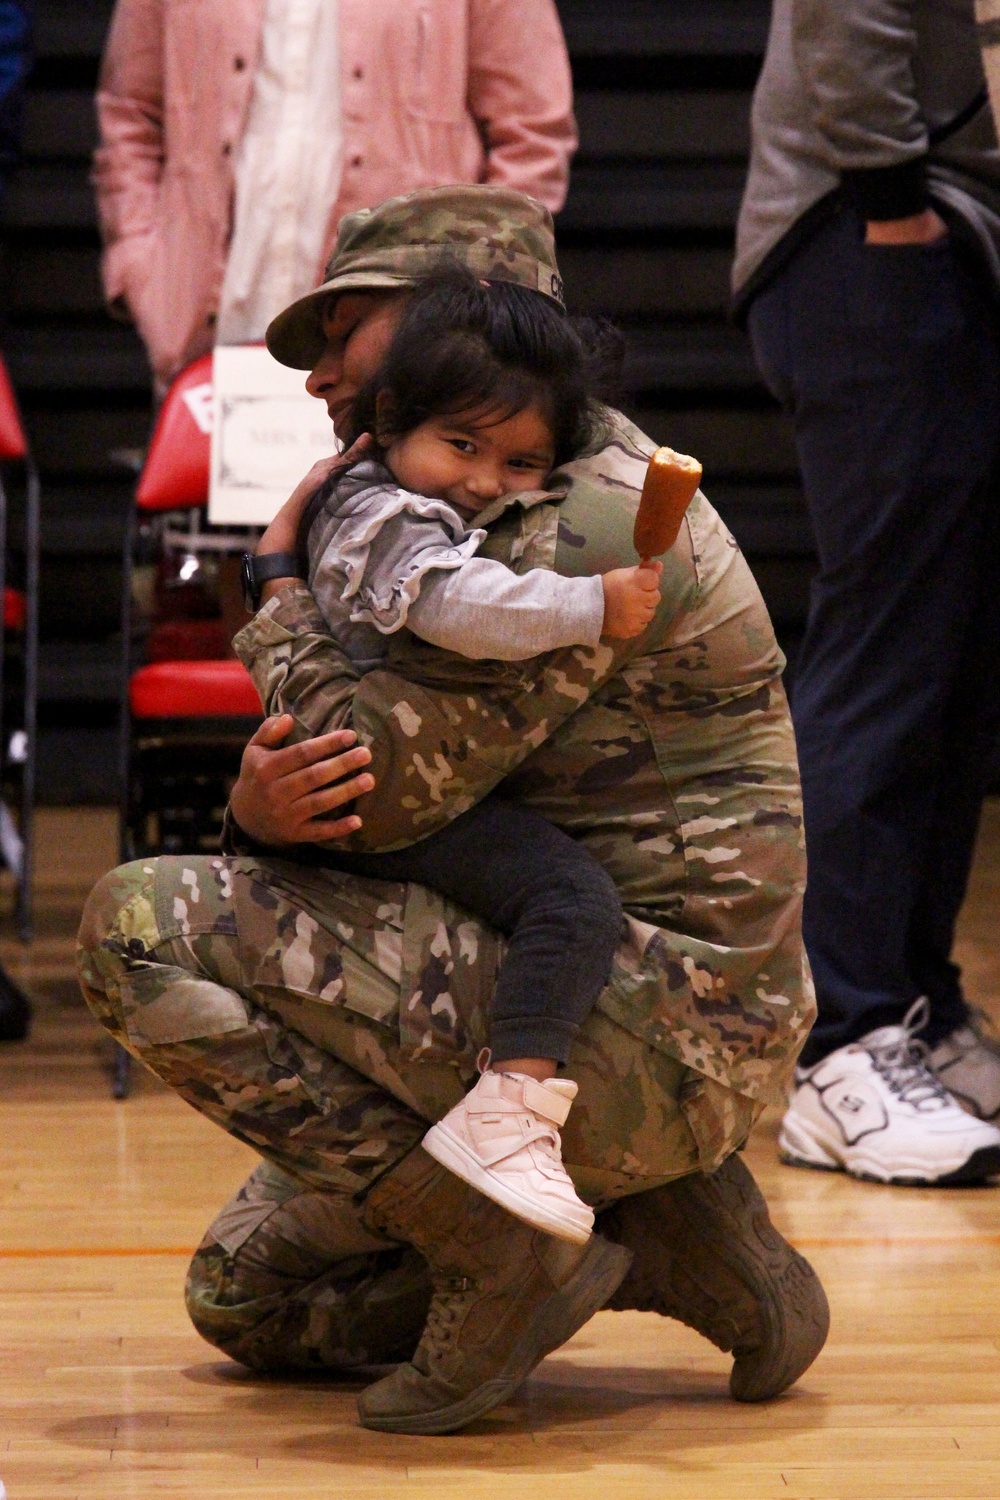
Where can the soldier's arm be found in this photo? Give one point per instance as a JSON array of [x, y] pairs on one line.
[[437, 746]]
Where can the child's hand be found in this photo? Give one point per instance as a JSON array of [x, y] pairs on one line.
[[631, 599]]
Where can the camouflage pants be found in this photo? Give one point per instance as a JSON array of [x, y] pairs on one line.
[[326, 1021]]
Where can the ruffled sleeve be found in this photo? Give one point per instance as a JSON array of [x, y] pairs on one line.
[[386, 542]]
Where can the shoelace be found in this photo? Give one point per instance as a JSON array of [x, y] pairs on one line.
[[447, 1304], [902, 1060]]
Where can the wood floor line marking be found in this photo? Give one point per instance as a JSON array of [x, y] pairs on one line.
[[814, 1242], [51, 1252], [806, 1242]]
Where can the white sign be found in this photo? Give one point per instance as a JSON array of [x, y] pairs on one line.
[[267, 432]]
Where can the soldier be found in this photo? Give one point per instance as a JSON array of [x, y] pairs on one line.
[[325, 1019]]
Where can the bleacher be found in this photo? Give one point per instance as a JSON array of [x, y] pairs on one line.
[[663, 93]]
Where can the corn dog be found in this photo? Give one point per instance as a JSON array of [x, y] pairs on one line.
[[670, 484]]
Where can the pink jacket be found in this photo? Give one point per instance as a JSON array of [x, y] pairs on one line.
[[434, 91]]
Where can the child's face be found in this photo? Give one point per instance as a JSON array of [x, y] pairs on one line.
[[470, 464]]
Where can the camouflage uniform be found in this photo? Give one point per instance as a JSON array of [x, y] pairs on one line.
[[325, 1019]]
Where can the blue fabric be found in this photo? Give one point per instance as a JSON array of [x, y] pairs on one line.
[[888, 359], [16, 58], [15, 45]]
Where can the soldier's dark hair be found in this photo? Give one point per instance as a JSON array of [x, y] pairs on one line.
[[465, 347]]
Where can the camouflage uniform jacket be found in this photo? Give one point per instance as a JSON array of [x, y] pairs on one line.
[[671, 756]]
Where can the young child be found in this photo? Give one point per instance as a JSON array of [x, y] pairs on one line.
[[484, 390]]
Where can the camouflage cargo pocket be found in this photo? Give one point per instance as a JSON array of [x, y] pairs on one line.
[[402, 956], [345, 952], [169, 950], [719, 1119], [162, 1005]]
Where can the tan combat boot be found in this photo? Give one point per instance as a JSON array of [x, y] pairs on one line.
[[505, 1295], [707, 1254]]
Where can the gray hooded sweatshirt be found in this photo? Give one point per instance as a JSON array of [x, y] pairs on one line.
[[864, 96]]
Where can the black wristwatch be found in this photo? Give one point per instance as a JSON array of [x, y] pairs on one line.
[[260, 570]]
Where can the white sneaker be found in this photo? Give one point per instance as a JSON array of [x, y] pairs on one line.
[[874, 1109], [967, 1062], [503, 1139]]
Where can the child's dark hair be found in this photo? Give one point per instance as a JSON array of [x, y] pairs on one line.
[[465, 347]]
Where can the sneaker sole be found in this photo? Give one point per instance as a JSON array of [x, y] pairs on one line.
[[451, 1153], [596, 1279], [802, 1150]]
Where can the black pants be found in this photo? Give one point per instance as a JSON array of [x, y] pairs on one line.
[[540, 888], [888, 359]]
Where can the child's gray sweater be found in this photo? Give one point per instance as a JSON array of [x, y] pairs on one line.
[[381, 558]]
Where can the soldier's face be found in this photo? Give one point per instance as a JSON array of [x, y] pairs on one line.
[[359, 327]]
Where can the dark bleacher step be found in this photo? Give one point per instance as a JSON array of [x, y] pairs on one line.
[[59, 123], [621, 196], [688, 125], [45, 281], [766, 520], [71, 29], [50, 195], [83, 517], [80, 443], [691, 358], [784, 582], [53, 281], [606, 194], [101, 356], [662, 28], [651, 281], [728, 441]]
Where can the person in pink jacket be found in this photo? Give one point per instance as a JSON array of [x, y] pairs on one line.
[[235, 134]]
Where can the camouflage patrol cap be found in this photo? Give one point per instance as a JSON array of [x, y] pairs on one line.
[[500, 234]]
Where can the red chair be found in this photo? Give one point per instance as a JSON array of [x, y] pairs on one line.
[[20, 625], [184, 722]]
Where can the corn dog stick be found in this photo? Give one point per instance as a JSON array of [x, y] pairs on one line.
[[670, 485]]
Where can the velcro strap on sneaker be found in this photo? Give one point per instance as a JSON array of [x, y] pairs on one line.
[[545, 1103], [510, 1145]]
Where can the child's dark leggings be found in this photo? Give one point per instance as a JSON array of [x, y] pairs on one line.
[[550, 898]]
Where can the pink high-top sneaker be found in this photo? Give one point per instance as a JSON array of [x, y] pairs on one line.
[[503, 1139]]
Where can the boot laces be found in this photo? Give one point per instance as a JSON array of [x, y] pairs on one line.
[[450, 1299], [900, 1059]]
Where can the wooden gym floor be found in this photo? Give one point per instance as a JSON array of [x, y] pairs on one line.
[[106, 1391]]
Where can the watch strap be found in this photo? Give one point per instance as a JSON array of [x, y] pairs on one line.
[[275, 565], [260, 570]]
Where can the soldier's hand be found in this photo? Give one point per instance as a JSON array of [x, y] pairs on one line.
[[282, 534], [631, 599], [286, 794]]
